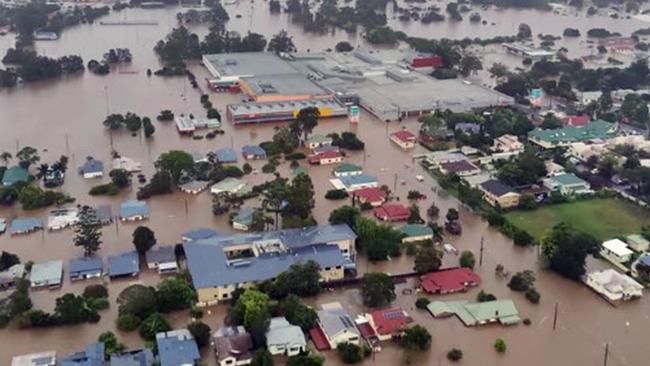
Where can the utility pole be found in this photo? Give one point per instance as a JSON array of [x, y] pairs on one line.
[[606, 354], [395, 184], [555, 316], [480, 260]]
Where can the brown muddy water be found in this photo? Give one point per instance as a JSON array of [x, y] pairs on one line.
[[64, 117]]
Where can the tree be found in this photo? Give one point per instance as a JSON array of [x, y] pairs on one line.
[[416, 338], [201, 333], [137, 300], [470, 64], [306, 121], [452, 214], [565, 250], [133, 122], [95, 291], [349, 352], [174, 294], [533, 296], [88, 234], [377, 289], [344, 215], [605, 102], [428, 259], [378, 241], [128, 322], [175, 162], [281, 42], [500, 345], [300, 200], [7, 260], [498, 70], [422, 303], [27, 156], [302, 279], [635, 108], [484, 297], [273, 198], [467, 259], [414, 215], [645, 232], [551, 122], [114, 121], [71, 309], [143, 239], [252, 310], [149, 128], [524, 31], [305, 360], [522, 281], [111, 344], [152, 325], [298, 313], [262, 357], [5, 157], [455, 355], [120, 177], [343, 47], [607, 166]]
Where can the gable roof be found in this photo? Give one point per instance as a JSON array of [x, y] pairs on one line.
[[390, 321], [372, 194], [140, 357], [334, 320], [351, 180], [233, 342], [404, 136], [93, 355], [91, 166], [226, 155], [392, 210], [598, 129], [177, 348], [25, 224], [14, 175], [161, 254], [449, 280], [254, 150], [85, 264], [496, 187], [104, 213], [133, 208], [471, 314], [281, 332], [123, 264], [47, 272]]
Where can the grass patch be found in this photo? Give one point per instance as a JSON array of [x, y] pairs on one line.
[[603, 218]]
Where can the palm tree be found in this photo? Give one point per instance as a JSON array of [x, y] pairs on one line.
[[5, 157]]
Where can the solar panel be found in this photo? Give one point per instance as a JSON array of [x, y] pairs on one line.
[[393, 314]]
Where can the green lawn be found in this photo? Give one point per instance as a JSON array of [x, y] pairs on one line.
[[602, 218]]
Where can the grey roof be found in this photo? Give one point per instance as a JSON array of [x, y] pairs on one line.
[[104, 214], [296, 84], [335, 320], [134, 208], [281, 332], [248, 64], [351, 180], [161, 254], [47, 272], [91, 166], [198, 234], [468, 127], [123, 264], [496, 187], [232, 341], [85, 264], [244, 216], [226, 155], [254, 150], [25, 224], [177, 348], [140, 357], [93, 355]]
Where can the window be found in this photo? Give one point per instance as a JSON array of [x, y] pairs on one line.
[[327, 268], [225, 296]]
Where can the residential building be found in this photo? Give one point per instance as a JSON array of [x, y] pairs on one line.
[[389, 323], [92, 168], [85, 267], [228, 185], [434, 159], [243, 218], [355, 182], [104, 214], [416, 233], [233, 346], [535, 54], [474, 181], [467, 128], [446, 281], [177, 348], [480, 313], [124, 265], [392, 212], [62, 218], [335, 326], [552, 168], [134, 211], [128, 164], [9, 276], [326, 148], [316, 141], [13, 175], [346, 170], [47, 274], [638, 242], [614, 285], [372, 196], [507, 143], [47, 358], [404, 139], [596, 130], [162, 258], [616, 251], [253, 152], [25, 225], [92, 355], [567, 184], [139, 357], [226, 155], [497, 193], [576, 121], [461, 168], [325, 158], [283, 338], [220, 264], [194, 187]]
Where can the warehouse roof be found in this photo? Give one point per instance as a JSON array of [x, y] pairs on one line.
[[247, 64], [598, 129]]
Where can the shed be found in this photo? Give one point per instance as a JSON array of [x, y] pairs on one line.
[[92, 168], [124, 265], [226, 155], [25, 225], [14, 175], [85, 267], [253, 152], [47, 274], [134, 210], [162, 258]]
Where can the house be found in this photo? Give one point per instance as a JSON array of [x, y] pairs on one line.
[[47, 358], [53, 178], [346, 170], [185, 125], [613, 285], [468, 128], [479, 313], [198, 234], [433, 159], [416, 233], [243, 219], [372, 196], [193, 187], [499, 194], [92, 168], [283, 338], [355, 182], [507, 143], [47, 274], [553, 168], [567, 184], [616, 251], [325, 158], [389, 323], [326, 148], [162, 258], [316, 141], [638, 242], [13, 175], [404, 139], [392, 212], [473, 181], [139, 357], [228, 185], [104, 214], [61, 218], [9, 276], [233, 346], [177, 348], [220, 264], [130, 165], [226, 155], [461, 168], [124, 265], [446, 281], [335, 326], [25, 225], [92, 355], [85, 267], [253, 152], [134, 210]]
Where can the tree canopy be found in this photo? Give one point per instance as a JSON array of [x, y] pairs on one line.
[[566, 249], [377, 289]]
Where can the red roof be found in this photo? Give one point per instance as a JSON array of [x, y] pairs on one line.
[[370, 194], [315, 158], [449, 280], [392, 212], [404, 135], [576, 120], [366, 330], [390, 321], [318, 337], [426, 61]]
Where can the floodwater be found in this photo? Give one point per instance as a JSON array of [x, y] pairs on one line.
[[64, 117]]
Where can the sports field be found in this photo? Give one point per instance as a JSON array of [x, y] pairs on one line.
[[602, 218]]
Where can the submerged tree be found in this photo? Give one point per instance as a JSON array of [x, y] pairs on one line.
[[88, 232]]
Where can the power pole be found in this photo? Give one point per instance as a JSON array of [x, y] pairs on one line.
[[606, 354], [395, 184], [555, 316], [480, 260]]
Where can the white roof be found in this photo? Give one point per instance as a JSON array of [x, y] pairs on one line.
[[47, 358], [614, 282], [617, 247], [281, 332]]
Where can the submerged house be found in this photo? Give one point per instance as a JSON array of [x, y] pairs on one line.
[[233, 346], [92, 168], [479, 313], [92, 355], [13, 175], [163, 259], [124, 265], [177, 348], [253, 152], [446, 281], [25, 225], [335, 326], [47, 274], [85, 267], [283, 338], [613, 285], [134, 211]]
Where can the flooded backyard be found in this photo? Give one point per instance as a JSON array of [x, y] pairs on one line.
[[65, 117]]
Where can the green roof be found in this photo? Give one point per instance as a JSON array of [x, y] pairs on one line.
[[319, 138], [568, 179], [598, 129], [344, 168], [477, 313], [413, 230], [14, 175]]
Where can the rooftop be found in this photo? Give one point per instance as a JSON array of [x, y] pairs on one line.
[[282, 332], [244, 216], [350, 181], [568, 179], [47, 273], [503, 311], [91, 166], [134, 208], [404, 136], [25, 224], [198, 234], [392, 210], [247, 64], [449, 280], [334, 319], [254, 150], [14, 175], [47, 358], [346, 168], [496, 187], [390, 321], [161, 254], [177, 348], [373, 194], [140, 357], [598, 129], [123, 264], [93, 355], [616, 284], [618, 247], [233, 342], [85, 264], [226, 155], [458, 166], [413, 230]]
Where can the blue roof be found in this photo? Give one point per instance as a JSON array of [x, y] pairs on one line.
[[85, 264], [93, 355], [25, 224], [14, 175], [357, 179], [91, 166], [226, 155], [199, 234], [244, 215], [254, 150], [141, 357], [645, 260], [177, 348], [134, 208], [123, 264]]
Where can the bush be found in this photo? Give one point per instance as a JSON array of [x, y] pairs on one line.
[[522, 238], [522, 281], [336, 194], [484, 296], [201, 333], [467, 259], [533, 296], [247, 168], [495, 219], [500, 345], [268, 168], [154, 324], [108, 189], [422, 303], [98, 303], [128, 322], [527, 321], [350, 353], [455, 355], [95, 291], [295, 156]]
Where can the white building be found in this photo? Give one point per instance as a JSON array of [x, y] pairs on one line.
[[229, 185], [62, 218], [616, 251], [47, 358], [613, 285], [283, 338], [337, 326], [507, 143]]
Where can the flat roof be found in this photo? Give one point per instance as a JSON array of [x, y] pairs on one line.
[[252, 108], [292, 84], [248, 64], [47, 273], [618, 247], [598, 129]]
